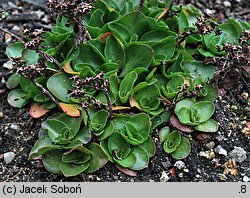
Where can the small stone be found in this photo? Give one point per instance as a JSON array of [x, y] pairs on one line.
[[207, 154], [1, 115], [164, 177], [210, 145], [166, 165], [8, 65], [227, 4], [208, 11], [222, 177], [180, 165], [246, 179], [186, 170], [238, 154], [180, 175], [220, 150], [15, 127], [9, 157]]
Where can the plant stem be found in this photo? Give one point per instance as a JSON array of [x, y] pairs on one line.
[[12, 34], [109, 104], [46, 92], [140, 5]]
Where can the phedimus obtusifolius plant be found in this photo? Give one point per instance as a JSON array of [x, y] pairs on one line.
[[110, 72]]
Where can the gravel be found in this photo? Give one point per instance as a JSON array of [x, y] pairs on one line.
[[238, 154], [9, 157]]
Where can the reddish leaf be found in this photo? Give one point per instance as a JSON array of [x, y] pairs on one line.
[[134, 103], [68, 69], [176, 123], [126, 171], [104, 37], [72, 110], [37, 111], [119, 108]]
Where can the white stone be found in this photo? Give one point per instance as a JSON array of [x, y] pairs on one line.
[[246, 179], [164, 177], [8, 157], [220, 150], [180, 165], [239, 154]]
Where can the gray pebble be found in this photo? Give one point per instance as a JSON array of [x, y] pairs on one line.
[[180, 165], [246, 179], [1, 141], [220, 150], [227, 4], [180, 175], [166, 165], [239, 154], [1, 115], [8, 157], [15, 127], [210, 145]]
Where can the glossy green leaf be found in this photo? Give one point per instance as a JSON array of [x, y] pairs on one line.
[[163, 133], [52, 160], [210, 126], [99, 120], [71, 169], [126, 86], [15, 98], [14, 50], [183, 150], [99, 158], [58, 85], [83, 136], [142, 158], [137, 55], [114, 51], [42, 145], [172, 142], [13, 81], [202, 111], [149, 147]]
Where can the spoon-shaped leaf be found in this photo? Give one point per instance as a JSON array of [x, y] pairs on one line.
[[183, 150], [172, 141], [15, 98], [208, 126]]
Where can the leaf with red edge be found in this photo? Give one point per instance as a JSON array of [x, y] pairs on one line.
[[72, 110], [126, 171], [37, 110], [176, 123], [104, 37]]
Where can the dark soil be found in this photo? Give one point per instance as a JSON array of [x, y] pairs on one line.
[[18, 131]]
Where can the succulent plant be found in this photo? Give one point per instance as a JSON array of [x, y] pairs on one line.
[[96, 65], [197, 114]]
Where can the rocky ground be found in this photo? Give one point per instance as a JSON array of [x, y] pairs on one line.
[[223, 156]]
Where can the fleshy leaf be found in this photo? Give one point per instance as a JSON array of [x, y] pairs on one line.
[[72, 110], [99, 158], [137, 55], [172, 141], [15, 98], [142, 158], [58, 85], [183, 150], [126, 86], [13, 81], [208, 126], [163, 133], [37, 111], [52, 160], [114, 51], [14, 50], [99, 120]]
